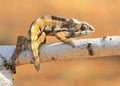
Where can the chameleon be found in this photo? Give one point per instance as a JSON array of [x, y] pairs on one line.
[[62, 28]]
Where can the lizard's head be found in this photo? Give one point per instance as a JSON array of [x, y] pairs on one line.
[[85, 29], [81, 28]]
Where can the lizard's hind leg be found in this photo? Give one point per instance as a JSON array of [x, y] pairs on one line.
[[20, 41], [34, 47]]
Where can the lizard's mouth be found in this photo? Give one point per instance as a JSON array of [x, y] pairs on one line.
[[83, 33], [87, 32]]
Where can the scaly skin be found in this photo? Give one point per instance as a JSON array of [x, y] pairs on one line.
[[62, 28]]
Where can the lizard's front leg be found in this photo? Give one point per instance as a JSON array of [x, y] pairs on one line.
[[64, 36], [42, 38]]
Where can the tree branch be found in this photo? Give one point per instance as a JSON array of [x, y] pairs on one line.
[[85, 48]]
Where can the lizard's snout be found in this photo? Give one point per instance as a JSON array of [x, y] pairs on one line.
[[91, 28], [87, 27]]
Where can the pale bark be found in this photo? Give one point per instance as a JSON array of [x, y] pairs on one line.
[[85, 48]]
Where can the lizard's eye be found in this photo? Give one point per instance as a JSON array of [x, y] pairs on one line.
[[83, 27]]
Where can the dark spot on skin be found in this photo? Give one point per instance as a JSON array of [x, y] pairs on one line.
[[80, 34], [90, 49]]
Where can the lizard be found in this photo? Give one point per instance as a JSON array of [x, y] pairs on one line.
[[60, 27]]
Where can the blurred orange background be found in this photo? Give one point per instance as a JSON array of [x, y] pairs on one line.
[[16, 17]]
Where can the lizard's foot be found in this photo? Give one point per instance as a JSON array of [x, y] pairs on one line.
[[72, 43], [9, 65], [37, 63]]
